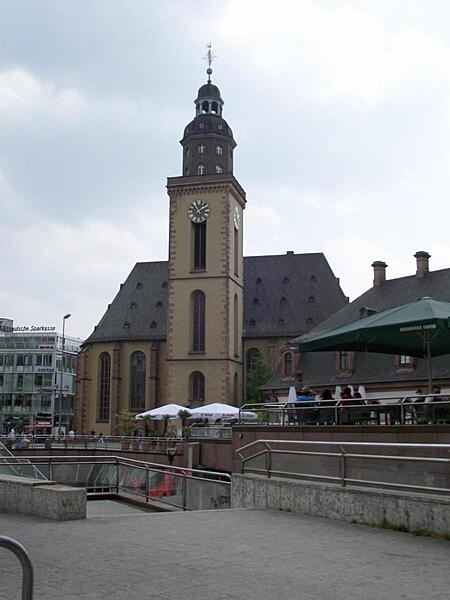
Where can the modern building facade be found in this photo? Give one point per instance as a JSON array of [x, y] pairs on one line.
[[37, 377], [190, 329]]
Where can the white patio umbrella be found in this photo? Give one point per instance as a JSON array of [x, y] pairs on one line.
[[292, 396], [218, 410], [158, 413]]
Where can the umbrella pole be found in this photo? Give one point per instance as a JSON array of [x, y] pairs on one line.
[[430, 366]]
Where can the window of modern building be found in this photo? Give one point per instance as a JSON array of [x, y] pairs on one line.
[[197, 388], [104, 386], [19, 360], [199, 246], [201, 169], [198, 321], [219, 150], [288, 364], [219, 169], [137, 383], [38, 380], [253, 356]]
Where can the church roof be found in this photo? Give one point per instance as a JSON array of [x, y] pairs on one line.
[[284, 295], [138, 312], [287, 293]]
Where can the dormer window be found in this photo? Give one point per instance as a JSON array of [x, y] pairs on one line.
[[201, 169], [258, 280], [153, 325], [285, 279], [201, 126], [139, 285], [126, 325], [219, 126], [201, 149], [219, 150], [219, 169], [311, 299], [159, 304], [252, 322], [255, 300], [283, 300]]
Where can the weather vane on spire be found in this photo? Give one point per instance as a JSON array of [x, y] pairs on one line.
[[209, 57]]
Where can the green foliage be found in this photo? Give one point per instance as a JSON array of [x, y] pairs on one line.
[[184, 415], [126, 423], [255, 379]]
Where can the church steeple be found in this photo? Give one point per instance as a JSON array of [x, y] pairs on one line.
[[208, 142]]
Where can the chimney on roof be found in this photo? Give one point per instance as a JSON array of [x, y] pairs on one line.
[[289, 252], [379, 272], [422, 263]]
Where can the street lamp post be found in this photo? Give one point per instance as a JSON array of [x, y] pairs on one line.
[[65, 317]]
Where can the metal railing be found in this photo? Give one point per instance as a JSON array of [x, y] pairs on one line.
[[186, 489], [395, 410], [9, 463], [89, 442], [25, 561], [411, 467]]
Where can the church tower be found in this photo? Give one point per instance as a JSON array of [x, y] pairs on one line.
[[205, 304]]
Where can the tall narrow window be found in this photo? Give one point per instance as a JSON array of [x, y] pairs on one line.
[[201, 149], [344, 362], [236, 389], [288, 364], [104, 386], [197, 388], [199, 243], [137, 387], [236, 326], [198, 321], [236, 251], [252, 359], [201, 169], [219, 150]]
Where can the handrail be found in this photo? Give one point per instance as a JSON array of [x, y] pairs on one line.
[[401, 409], [132, 483], [342, 453], [27, 566]]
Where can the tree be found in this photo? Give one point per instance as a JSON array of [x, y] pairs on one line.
[[256, 377], [126, 423]]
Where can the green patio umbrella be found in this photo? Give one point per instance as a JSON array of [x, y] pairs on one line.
[[421, 328]]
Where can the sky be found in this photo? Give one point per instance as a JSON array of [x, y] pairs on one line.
[[340, 109]]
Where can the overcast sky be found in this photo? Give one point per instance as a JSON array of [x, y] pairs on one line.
[[340, 109]]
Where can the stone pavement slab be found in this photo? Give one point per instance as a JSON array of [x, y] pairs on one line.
[[230, 555]]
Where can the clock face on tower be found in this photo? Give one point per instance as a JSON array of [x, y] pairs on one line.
[[198, 211]]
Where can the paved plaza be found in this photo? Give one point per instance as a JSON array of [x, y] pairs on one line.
[[122, 552]]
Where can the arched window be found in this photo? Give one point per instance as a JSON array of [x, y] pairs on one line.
[[198, 321], [214, 108], [137, 381], [104, 378], [236, 326], [201, 169], [199, 246], [288, 364], [253, 356], [197, 388], [205, 106]]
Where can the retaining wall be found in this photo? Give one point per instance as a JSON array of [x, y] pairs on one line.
[[416, 513], [43, 499]]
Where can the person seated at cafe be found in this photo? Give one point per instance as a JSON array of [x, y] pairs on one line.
[[346, 396], [326, 395], [306, 395]]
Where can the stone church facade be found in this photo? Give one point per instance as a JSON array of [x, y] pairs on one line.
[[190, 329]]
